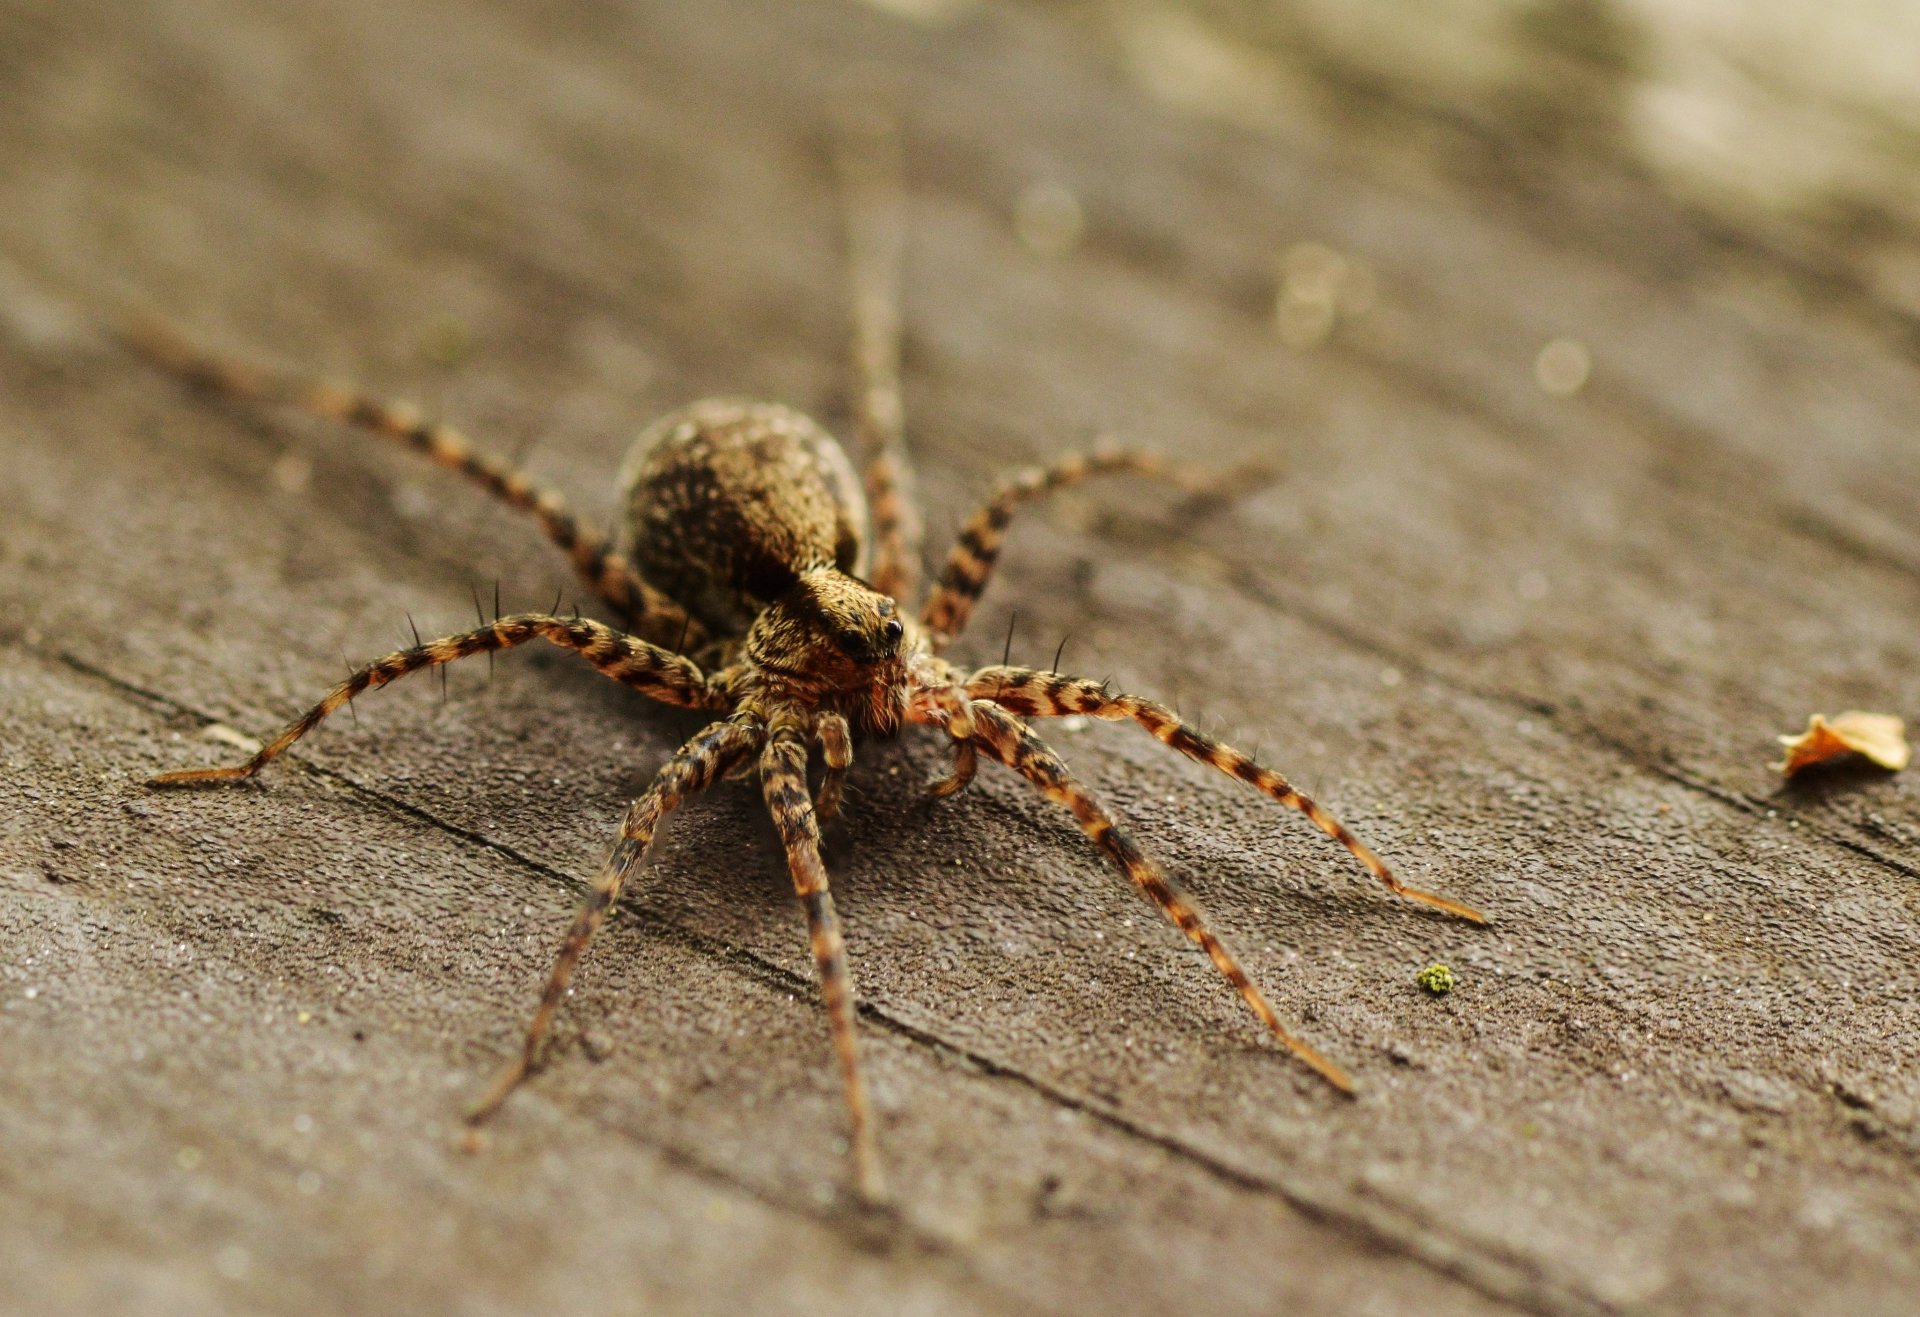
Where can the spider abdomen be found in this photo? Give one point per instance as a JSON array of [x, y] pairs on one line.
[[728, 502]]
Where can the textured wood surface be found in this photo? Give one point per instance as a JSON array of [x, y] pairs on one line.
[[1532, 647]]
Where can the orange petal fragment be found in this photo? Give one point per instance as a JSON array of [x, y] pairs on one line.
[[1881, 737]]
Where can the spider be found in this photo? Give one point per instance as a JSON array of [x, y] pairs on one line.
[[750, 589]]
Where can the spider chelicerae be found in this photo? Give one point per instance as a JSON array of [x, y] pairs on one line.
[[751, 589]]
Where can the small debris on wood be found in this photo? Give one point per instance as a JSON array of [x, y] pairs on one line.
[[1880, 737], [1436, 979]]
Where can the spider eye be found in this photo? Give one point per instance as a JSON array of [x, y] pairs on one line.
[[892, 630]]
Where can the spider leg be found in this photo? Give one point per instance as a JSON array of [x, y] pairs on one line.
[[836, 752], [647, 668], [648, 612], [1014, 744], [692, 769], [1049, 694], [948, 705], [970, 565], [783, 776], [966, 761], [867, 155]]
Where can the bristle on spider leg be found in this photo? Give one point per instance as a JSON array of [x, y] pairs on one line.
[[352, 712], [496, 619]]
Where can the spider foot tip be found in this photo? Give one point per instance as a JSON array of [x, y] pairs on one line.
[[1341, 1081], [186, 777], [871, 1194], [482, 1108], [1468, 913], [1447, 905], [1336, 1077]]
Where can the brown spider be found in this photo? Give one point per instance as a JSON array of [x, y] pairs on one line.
[[745, 545]]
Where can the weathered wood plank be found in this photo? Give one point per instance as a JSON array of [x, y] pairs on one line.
[[1532, 646]]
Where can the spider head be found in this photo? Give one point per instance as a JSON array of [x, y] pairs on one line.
[[860, 622]]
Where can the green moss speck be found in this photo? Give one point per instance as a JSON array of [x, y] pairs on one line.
[[1436, 979]]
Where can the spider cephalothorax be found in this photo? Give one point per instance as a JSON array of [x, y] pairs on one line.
[[745, 542]]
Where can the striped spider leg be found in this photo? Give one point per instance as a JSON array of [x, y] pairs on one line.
[[1051, 695], [867, 158], [1014, 744], [648, 613], [645, 667]]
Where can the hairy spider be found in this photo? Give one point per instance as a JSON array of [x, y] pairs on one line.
[[745, 544]]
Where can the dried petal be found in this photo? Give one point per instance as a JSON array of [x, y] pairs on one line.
[[1881, 737]]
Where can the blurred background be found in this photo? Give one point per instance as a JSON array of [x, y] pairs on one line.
[[1784, 122]]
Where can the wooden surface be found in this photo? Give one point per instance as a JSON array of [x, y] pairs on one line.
[[1533, 647]]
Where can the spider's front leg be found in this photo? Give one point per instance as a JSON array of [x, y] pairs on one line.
[[783, 775], [1051, 694], [647, 668], [1014, 744], [695, 767]]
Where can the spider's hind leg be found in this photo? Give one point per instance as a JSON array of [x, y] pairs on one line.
[[867, 155], [647, 612], [1014, 744], [1050, 694]]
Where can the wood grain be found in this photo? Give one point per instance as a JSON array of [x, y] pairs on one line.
[[1532, 648]]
